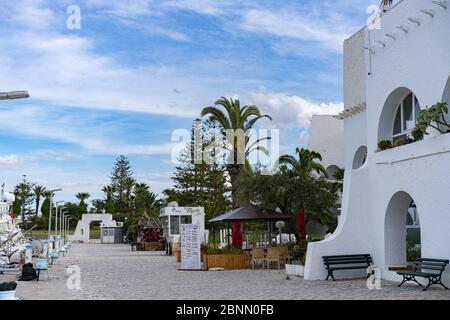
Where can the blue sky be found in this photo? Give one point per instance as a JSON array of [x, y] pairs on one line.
[[139, 69]]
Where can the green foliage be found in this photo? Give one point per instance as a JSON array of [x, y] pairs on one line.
[[45, 208], [121, 184], [288, 191], [298, 251], [412, 253], [231, 116], [433, 117], [24, 193], [384, 145], [306, 162], [17, 204], [81, 208], [226, 250], [197, 183], [131, 232], [38, 193], [41, 222]]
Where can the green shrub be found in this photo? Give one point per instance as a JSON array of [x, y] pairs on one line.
[[384, 144], [227, 250]]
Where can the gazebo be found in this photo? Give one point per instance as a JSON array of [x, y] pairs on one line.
[[249, 213]]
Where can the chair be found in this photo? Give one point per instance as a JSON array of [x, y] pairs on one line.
[[41, 264], [284, 254], [258, 256], [273, 255], [54, 255]]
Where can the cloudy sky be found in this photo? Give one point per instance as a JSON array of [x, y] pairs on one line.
[[139, 69]]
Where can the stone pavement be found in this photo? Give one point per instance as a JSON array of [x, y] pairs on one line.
[[115, 272]]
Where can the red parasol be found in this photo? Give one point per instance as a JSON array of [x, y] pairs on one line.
[[301, 223], [236, 235]]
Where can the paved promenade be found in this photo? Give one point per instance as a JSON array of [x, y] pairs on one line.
[[115, 272]]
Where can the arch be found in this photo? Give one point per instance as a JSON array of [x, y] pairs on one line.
[[331, 171], [397, 227], [360, 157], [391, 110], [446, 96], [82, 231]]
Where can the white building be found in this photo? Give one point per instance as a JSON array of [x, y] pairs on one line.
[[390, 74], [326, 136]]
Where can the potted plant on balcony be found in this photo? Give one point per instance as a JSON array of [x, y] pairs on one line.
[[384, 145], [433, 117]]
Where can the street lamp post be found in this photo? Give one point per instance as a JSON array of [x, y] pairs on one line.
[[61, 227], [60, 222], [50, 212], [66, 226], [11, 95], [56, 217]]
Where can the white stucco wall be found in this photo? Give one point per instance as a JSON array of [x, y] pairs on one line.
[[326, 136], [82, 231], [419, 61]]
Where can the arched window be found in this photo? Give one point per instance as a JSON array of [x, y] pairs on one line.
[[360, 157], [405, 117]]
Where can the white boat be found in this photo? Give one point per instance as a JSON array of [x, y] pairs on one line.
[[12, 241]]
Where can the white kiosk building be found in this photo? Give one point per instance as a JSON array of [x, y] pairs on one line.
[[390, 74], [174, 216]]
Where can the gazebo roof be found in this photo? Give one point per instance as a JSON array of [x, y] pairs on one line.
[[250, 212]]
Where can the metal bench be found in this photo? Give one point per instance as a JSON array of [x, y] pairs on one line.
[[346, 262], [430, 269]]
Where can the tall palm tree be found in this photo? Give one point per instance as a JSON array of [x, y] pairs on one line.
[[141, 187], [231, 116], [109, 191], [303, 167], [39, 191], [24, 192], [305, 164], [82, 196]]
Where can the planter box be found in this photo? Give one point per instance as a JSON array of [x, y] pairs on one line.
[[295, 269], [233, 261]]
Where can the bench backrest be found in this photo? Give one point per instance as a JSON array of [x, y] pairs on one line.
[[350, 259], [430, 264]]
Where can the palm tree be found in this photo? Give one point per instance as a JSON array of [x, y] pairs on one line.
[[305, 164], [231, 116], [144, 200], [109, 191], [303, 167], [24, 192], [141, 188], [39, 191], [82, 196]]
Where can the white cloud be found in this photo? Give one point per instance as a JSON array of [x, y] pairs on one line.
[[95, 138], [290, 111], [9, 160], [292, 25], [205, 7]]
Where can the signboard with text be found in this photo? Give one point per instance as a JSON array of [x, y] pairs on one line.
[[190, 247]]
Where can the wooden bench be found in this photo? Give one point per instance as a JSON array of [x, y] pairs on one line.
[[346, 262], [430, 269]]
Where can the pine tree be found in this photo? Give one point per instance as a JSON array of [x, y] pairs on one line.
[[122, 183], [197, 183]]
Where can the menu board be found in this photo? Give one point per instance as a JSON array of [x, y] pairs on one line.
[[190, 247]]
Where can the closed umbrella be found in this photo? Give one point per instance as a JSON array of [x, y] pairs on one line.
[[236, 236]]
